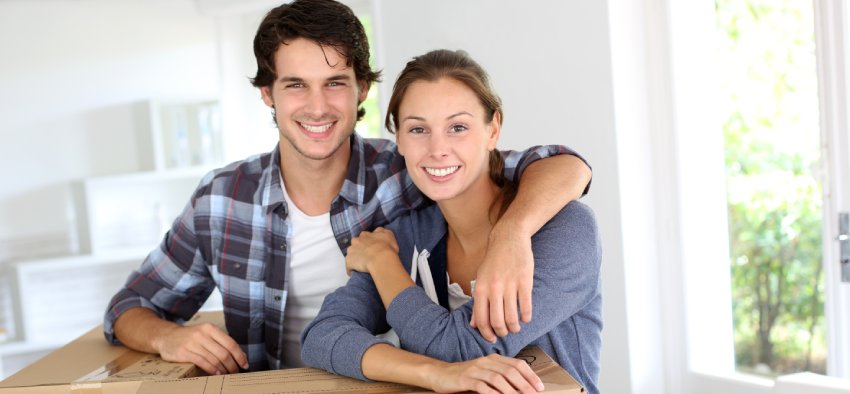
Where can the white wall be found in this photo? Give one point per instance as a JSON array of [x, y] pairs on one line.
[[71, 68], [551, 62], [69, 74]]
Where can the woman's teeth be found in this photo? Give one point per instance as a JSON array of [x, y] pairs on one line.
[[441, 171]]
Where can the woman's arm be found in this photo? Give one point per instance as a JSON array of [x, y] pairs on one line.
[[567, 263], [483, 375], [341, 340], [345, 328]]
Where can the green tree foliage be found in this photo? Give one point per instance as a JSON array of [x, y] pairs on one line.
[[767, 65]]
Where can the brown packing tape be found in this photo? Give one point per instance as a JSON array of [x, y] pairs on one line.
[[86, 388]]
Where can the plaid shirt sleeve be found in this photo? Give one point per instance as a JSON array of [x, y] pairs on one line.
[[517, 161], [173, 280]]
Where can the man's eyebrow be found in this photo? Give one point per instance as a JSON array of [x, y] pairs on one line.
[[292, 78], [340, 77], [287, 78]]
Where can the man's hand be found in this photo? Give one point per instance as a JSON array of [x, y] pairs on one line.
[[490, 374], [370, 247], [504, 278], [204, 345]]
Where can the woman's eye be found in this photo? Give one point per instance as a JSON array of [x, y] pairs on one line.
[[458, 128], [417, 130]]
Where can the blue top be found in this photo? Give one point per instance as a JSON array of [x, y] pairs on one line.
[[567, 314]]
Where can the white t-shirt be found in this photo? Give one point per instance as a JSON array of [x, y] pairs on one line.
[[316, 269]]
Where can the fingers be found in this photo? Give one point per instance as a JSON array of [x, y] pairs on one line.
[[481, 314], [206, 346], [497, 315], [524, 292], [233, 353], [505, 375], [203, 360], [521, 375], [511, 318]]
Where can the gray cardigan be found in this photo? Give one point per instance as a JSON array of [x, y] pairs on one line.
[[567, 314]]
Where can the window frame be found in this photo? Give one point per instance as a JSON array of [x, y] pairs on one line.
[[700, 349]]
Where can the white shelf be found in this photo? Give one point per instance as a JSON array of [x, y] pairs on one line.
[[120, 219]]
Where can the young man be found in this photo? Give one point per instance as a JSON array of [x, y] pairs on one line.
[[270, 232]]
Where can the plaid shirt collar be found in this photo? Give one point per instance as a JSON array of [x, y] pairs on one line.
[[273, 193]]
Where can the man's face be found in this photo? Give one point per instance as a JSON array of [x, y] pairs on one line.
[[315, 97]]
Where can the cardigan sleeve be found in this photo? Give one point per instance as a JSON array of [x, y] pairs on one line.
[[567, 258], [345, 328]]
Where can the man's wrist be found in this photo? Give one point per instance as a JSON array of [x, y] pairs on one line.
[[508, 228]]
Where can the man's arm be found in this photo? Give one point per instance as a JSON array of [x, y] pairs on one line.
[[504, 279], [204, 345], [169, 285]]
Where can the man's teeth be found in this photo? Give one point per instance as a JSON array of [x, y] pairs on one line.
[[441, 171], [316, 129]]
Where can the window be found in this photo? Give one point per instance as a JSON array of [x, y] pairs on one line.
[[702, 216], [371, 124], [769, 109]]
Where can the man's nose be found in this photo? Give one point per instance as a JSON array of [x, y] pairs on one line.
[[317, 103]]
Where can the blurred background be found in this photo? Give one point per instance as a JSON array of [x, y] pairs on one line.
[[717, 134]]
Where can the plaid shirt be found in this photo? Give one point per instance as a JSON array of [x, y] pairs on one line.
[[234, 235]]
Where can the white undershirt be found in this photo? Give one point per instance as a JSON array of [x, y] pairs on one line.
[[316, 268], [456, 295]]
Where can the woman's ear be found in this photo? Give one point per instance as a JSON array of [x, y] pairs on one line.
[[398, 143], [495, 130]]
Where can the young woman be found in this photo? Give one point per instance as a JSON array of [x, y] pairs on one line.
[[447, 121]]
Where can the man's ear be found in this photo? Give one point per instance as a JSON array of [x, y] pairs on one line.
[[266, 93], [495, 128], [363, 89]]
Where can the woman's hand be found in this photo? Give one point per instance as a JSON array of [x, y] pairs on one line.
[[371, 247], [490, 374]]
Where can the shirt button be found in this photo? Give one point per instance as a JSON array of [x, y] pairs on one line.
[[237, 265], [345, 240], [282, 246], [277, 298]]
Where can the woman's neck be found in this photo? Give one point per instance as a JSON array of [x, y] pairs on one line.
[[471, 216]]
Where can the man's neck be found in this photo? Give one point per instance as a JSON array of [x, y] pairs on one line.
[[313, 184]]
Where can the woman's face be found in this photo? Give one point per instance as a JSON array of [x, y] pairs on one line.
[[445, 138]]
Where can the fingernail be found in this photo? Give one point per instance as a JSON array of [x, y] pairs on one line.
[[245, 366], [218, 372], [540, 386]]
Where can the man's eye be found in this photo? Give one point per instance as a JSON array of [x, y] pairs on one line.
[[295, 85], [335, 84]]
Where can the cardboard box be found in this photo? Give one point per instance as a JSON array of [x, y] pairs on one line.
[[89, 365], [90, 359], [311, 380]]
